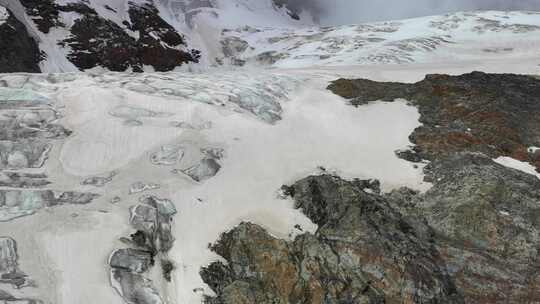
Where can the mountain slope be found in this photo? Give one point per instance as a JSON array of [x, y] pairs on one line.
[[20, 52], [146, 35], [410, 179], [121, 35], [452, 37]]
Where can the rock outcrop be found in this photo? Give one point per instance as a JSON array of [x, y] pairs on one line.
[[496, 114], [488, 219], [474, 237], [144, 38], [18, 51], [364, 251]]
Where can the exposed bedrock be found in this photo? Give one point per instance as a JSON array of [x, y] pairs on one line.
[[18, 51], [488, 220], [364, 251], [473, 238], [496, 114], [143, 39]]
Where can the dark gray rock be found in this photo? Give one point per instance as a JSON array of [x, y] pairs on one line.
[[485, 216], [491, 214], [472, 238], [364, 251], [44, 13], [18, 51], [96, 41]]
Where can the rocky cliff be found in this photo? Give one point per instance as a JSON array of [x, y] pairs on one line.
[[474, 237], [18, 51]]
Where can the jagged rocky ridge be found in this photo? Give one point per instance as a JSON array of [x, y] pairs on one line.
[[461, 242], [144, 39], [474, 237]]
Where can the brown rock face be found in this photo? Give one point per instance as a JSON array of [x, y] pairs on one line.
[[496, 114], [474, 237], [363, 252]]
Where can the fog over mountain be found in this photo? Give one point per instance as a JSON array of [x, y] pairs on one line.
[[354, 11]]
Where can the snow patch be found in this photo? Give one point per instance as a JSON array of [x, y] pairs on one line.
[[518, 165], [4, 14], [505, 213]]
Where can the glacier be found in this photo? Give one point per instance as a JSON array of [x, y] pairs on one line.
[[215, 141]]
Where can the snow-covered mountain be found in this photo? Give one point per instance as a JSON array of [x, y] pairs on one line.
[[452, 37], [236, 152], [146, 35], [131, 34]]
